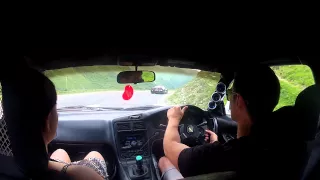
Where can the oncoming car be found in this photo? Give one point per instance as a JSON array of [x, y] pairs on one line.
[[159, 90]]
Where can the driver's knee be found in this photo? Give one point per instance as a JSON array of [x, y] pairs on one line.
[[164, 163]]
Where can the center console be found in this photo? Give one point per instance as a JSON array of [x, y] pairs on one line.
[[132, 149], [132, 143]]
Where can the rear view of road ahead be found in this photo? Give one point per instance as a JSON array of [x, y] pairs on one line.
[[111, 99]]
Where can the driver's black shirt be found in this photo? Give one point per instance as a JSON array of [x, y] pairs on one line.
[[217, 157], [261, 158]]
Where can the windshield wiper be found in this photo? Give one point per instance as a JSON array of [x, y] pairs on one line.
[[88, 108], [141, 107]]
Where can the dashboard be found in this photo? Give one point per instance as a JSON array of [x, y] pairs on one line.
[[118, 135]]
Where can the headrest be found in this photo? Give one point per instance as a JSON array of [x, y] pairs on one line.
[[274, 125], [284, 121], [283, 111], [308, 110], [23, 122], [301, 119], [309, 99]]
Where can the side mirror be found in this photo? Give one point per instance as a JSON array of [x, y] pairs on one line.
[[125, 77]]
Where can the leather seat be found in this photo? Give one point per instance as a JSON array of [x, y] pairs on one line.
[[294, 126], [302, 118], [312, 167], [308, 104], [308, 109], [285, 121]]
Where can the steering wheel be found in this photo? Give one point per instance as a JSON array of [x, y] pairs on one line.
[[193, 133]]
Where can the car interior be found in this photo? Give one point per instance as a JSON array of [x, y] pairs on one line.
[[23, 154]]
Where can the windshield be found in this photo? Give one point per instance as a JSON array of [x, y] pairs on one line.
[[96, 86]]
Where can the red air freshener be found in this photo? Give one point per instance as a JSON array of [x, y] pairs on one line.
[[128, 92]]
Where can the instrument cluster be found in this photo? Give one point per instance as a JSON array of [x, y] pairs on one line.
[[217, 96]]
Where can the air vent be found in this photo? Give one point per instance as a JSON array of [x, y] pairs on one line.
[[138, 116], [123, 126], [139, 126]]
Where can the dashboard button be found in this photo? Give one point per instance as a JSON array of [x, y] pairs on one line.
[[133, 143], [139, 143], [127, 143]]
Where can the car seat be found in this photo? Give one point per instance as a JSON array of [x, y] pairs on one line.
[[308, 103], [22, 121], [308, 109], [289, 129], [302, 118], [312, 167]]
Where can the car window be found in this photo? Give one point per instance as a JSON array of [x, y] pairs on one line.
[[293, 79], [97, 86]]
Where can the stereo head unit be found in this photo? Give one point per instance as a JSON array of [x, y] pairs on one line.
[[131, 144], [131, 139]]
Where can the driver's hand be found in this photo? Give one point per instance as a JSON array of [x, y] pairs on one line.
[[212, 135], [175, 115]]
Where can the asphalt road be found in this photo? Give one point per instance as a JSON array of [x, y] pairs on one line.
[[111, 99]]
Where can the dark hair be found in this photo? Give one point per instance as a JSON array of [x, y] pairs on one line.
[[42, 93], [260, 88]]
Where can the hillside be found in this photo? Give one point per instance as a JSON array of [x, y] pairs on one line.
[[196, 92]]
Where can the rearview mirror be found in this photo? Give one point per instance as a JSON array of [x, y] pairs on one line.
[[135, 77]]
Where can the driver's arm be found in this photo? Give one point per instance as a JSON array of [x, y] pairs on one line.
[[171, 142], [213, 157]]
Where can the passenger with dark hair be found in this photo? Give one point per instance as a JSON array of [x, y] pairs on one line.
[[93, 166], [254, 95]]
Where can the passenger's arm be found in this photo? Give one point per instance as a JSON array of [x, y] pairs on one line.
[[172, 143]]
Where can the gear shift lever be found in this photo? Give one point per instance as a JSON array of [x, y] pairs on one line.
[[138, 170], [139, 163]]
